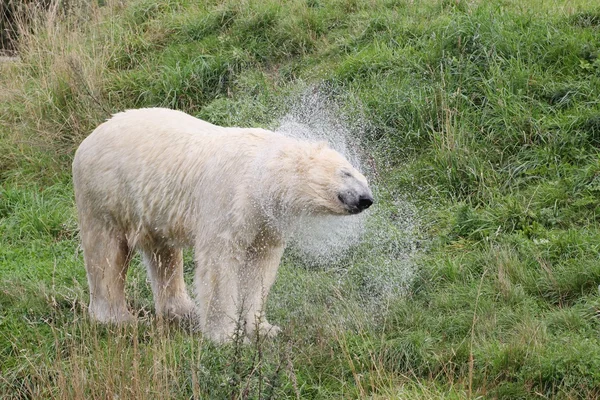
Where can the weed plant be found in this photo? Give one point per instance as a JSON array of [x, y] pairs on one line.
[[484, 116]]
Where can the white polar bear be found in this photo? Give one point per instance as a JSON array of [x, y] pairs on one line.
[[160, 180]]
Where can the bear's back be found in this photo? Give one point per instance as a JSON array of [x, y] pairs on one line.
[[154, 166]]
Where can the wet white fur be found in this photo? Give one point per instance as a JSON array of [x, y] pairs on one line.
[[160, 180]]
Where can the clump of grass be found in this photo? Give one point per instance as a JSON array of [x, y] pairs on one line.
[[54, 96]]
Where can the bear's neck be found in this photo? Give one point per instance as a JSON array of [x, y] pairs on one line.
[[277, 190]]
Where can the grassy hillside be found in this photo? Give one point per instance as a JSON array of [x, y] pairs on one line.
[[479, 125]]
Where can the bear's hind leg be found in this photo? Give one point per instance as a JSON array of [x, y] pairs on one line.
[[165, 268], [107, 257]]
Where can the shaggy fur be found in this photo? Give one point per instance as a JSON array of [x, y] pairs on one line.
[[160, 180]]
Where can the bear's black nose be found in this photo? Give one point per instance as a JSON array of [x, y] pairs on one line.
[[364, 202]]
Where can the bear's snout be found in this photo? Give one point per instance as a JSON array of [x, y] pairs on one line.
[[354, 202], [365, 202]]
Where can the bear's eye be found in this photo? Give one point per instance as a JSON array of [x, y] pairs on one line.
[[346, 174]]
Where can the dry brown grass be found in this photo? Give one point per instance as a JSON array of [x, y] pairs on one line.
[[58, 81]]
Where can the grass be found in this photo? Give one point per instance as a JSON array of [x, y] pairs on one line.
[[479, 122]]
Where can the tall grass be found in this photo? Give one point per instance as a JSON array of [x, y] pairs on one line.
[[483, 115]]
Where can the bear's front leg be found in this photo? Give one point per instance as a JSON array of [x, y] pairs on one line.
[[256, 278], [217, 291]]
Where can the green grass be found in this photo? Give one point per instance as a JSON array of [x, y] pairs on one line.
[[483, 117]]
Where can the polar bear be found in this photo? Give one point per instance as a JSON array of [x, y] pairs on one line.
[[160, 180]]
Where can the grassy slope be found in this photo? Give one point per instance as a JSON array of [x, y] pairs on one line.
[[486, 114]]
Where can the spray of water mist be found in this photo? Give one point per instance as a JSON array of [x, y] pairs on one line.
[[370, 255], [316, 117], [388, 233]]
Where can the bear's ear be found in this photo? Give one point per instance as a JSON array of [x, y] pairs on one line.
[[321, 144]]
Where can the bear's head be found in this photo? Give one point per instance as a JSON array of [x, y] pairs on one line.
[[325, 182]]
